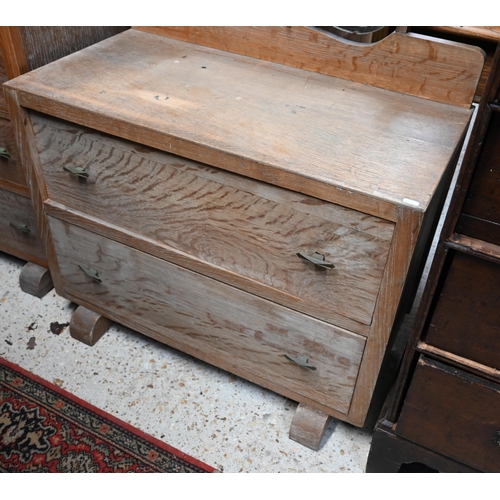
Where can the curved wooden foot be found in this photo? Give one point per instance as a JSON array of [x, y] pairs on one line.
[[309, 426], [87, 326], [35, 280]]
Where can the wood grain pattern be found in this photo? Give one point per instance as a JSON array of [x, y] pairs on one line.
[[10, 168], [359, 146], [17, 209], [404, 242], [240, 228], [309, 426], [23, 131], [227, 327], [453, 413], [3, 78], [44, 44], [35, 280], [403, 62], [491, 33], [87, 326]]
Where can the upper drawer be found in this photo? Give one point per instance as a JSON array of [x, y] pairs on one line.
[[466, 318], [453, 413], [222, 325], [233, 228], [10, 168], [481, 212], [3, 78]]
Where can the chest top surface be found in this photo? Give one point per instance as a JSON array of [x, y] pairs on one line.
[[254, 117]]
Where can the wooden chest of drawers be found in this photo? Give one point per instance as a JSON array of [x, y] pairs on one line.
[[22, 49], [260, 216]]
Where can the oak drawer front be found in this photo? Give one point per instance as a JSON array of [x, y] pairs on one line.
[[19, 233], [222, 325], [3, 78], [481, 212], [10, 165], [466, 317], [239, 228], [453, 413]]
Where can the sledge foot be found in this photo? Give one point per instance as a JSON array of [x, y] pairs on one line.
[[309, 426], [87, 326], [35, 280]]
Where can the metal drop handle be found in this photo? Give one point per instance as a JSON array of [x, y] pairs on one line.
[[77, 172], [318, 259], [21, 227], [4, 153], [91, 273], [301, 360]]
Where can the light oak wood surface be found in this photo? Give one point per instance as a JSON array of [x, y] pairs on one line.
[[10, 168], [18, 227], [352, 144], [251, 162], [239, 228], [217, 323], [403, 62]]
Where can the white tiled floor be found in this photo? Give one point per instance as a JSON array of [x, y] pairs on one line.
[[208, 413]]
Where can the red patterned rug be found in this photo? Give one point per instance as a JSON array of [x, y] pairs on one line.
[[46, 429]]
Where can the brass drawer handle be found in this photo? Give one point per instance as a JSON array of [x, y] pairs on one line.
[[4, 153], [77, 172], [301, 360], [318, 259], [21, 227], [91, 273]]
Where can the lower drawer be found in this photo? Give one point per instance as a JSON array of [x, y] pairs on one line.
[[10, 168], [19, 233], [453, 413], [227, 327]]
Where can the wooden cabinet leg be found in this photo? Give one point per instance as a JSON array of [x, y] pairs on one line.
[[309, 426], [35, 280], [87, 326]]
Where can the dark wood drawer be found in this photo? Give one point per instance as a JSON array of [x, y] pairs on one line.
[[466, 317], [453, 413], [19, 234], [480, 216], [10, 168], [239, 230], [222, 325]]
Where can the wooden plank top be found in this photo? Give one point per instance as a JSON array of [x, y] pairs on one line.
[[246, 115], [410, 63]]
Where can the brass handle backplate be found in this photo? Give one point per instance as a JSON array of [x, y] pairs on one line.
[[91, 273], [4, 153], [301, 360], [79, 172], [21, 227], [318, 259]]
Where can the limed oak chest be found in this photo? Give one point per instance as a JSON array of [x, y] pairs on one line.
[[256, 197]]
